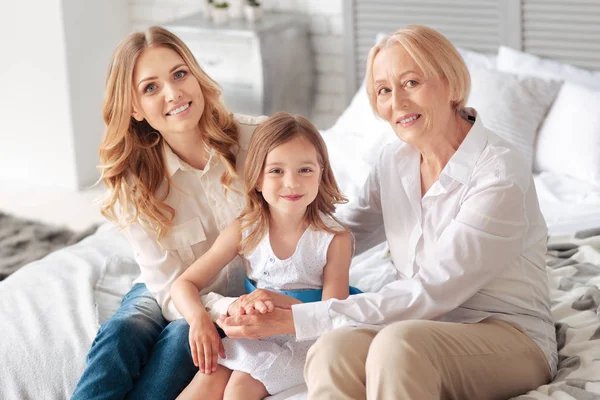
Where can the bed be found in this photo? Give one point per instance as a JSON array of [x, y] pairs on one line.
[[51, 309]]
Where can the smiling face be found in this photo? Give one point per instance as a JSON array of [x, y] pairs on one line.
[[415, 105], [291, 177], [166, 94]]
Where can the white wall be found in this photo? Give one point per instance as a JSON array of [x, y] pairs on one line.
[[36, 144], [93, 29], [55, 57], [326, 29]]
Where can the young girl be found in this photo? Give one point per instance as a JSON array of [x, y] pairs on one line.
[[290, 243]]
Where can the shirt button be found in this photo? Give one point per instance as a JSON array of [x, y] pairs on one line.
[[272, 259], [266, 273]]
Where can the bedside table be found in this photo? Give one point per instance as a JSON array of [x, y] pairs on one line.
[[262, 67]]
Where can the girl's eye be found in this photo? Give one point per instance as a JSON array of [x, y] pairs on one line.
[[180, 74], [383, 91], [275, 171], [150, 88], [306, 170]]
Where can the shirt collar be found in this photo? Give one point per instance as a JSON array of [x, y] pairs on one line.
[[174, 163], [462, 162]]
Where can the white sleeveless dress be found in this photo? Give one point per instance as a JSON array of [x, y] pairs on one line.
[[278, 361]]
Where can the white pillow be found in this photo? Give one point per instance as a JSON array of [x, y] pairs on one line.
[[355, 141], [474, 59], [569, 139], [512, 106], [517, 62]]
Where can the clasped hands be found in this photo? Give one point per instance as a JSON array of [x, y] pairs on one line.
[[259, 314]]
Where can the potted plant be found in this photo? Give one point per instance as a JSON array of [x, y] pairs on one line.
[[206, 8], [236, 9], [253, 10], [220, 12]]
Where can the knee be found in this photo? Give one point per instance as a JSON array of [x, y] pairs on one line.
[[331, 346], [341, 349], [238, 382], [403, 343], [128, 329], [176, 337]]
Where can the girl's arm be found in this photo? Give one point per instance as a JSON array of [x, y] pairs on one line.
[[185, 290], [336, 275], [205, 343]]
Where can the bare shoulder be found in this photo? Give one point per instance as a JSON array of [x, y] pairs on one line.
[[341, 244]]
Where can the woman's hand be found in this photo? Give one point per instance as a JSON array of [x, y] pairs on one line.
[[205, 344], [278, 322], [260, 301]]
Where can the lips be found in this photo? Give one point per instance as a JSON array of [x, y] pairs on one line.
[[293, 197], [408, 119], [179, 109]]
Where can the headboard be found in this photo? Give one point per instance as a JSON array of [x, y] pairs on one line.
[[568, 31]]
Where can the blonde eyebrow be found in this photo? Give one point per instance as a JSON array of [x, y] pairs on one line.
[[275, 164], [381, 81], [155, 77]]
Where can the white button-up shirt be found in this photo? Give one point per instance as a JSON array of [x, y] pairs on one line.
[[472, 248], [202, 211]]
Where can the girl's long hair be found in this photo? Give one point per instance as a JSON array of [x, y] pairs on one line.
[[275, 131], [132, 153]]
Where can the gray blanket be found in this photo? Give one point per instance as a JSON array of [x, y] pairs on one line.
[[23, 241], [573, 264]]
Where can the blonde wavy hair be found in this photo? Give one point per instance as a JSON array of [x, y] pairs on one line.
[[433, 53], [275, 131], [132, 163]]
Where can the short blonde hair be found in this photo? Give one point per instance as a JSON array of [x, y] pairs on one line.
[[433, 53]]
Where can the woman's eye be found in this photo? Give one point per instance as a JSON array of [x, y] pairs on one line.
[[150, 88], [411, 83], [180, 74], [383, 91]]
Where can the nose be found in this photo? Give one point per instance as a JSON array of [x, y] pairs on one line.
[[291, 181], [399, 99], [172, 92]]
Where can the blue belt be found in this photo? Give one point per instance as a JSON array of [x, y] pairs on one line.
[[305, 295]]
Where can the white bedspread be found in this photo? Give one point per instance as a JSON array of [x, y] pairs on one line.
[[49, 314]]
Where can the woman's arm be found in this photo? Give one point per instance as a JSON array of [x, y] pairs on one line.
[[336, 274], [485, 238]]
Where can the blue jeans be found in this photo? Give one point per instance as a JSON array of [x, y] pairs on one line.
[[137, 354]]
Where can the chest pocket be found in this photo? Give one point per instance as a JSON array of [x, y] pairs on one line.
[[182, 237]]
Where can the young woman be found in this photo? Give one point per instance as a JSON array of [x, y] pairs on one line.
[[469, 316], [171, 158], [291, 243]]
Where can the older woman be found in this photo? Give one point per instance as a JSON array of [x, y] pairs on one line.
[[468, 316]]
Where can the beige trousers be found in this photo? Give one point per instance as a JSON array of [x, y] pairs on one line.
[[422, 360]]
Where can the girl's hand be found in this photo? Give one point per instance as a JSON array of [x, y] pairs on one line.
[[278, 322], [260, 301], [205, 344]]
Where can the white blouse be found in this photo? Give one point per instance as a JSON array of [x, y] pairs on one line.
[[202, 212], [473, 247]]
